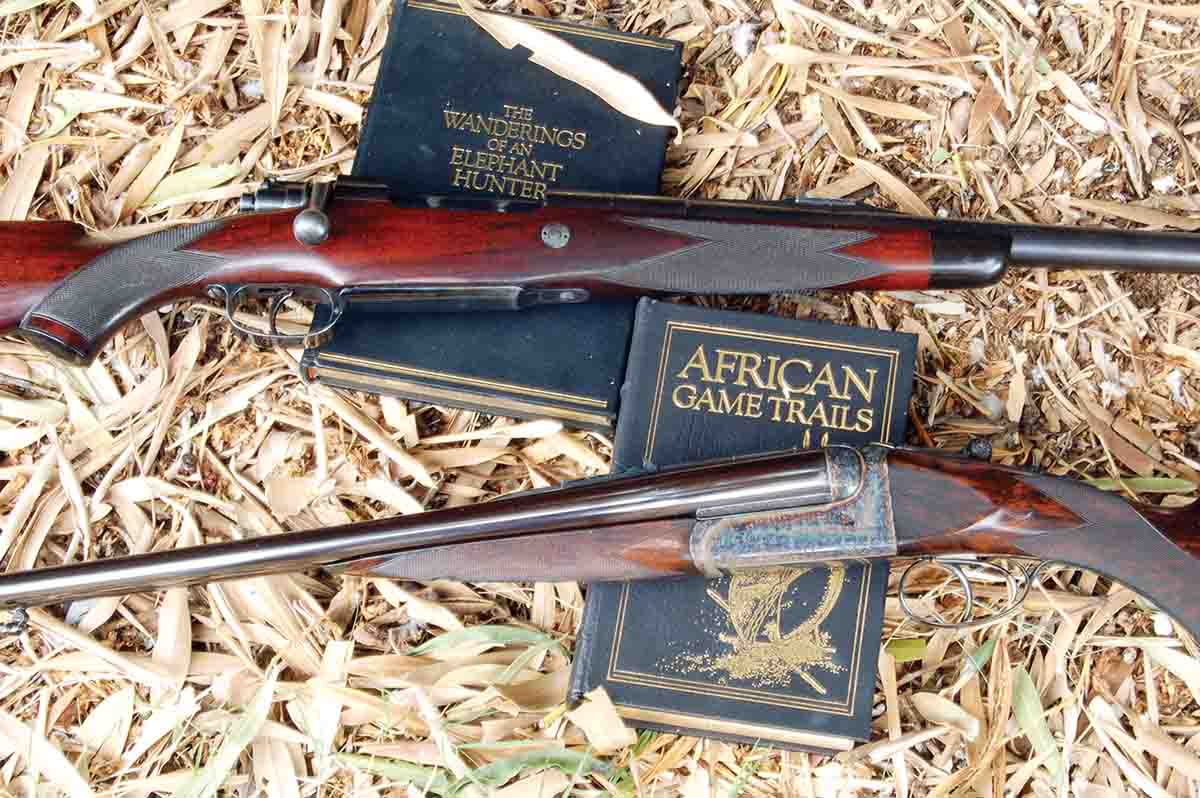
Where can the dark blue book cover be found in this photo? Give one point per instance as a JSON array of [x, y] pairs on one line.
[[454, 112], [783, 657]]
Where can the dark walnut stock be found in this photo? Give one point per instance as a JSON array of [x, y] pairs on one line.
[[377, 245], [36, 257], [954, 506]]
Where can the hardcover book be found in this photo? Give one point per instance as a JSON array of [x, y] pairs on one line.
[[781, 657], [454, 111], [434, 127], [538, 363]]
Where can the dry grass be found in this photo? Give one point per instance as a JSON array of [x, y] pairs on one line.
[[136, 113]]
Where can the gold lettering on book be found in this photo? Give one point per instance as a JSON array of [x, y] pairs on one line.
[[506, 161], [821, 396]]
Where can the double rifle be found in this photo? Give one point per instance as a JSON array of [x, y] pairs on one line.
[[331, 244]]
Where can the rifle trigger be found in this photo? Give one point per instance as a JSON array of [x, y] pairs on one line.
[[276, 306]]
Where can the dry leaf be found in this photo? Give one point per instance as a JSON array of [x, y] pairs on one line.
[[937, 709], [895, 188], [106, 728], [149, 178], [600, 722], [876, 106], [41, 756], [620, 90]]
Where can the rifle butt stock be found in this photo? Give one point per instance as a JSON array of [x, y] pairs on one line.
[[946, 506], [37, 256]]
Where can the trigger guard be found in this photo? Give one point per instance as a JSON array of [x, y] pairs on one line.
[[956, 566], [235, 295]]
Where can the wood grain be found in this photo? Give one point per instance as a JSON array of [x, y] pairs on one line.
[[646, 550], [36, 256], [375, 244], [949, 505], [908, 253]]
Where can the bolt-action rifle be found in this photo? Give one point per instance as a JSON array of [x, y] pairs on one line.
[[353, 241]]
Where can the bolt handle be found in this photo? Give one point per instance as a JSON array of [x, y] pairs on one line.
[[311, 226]]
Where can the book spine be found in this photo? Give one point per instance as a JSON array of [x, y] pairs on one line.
[[631, 433], [581, 666]]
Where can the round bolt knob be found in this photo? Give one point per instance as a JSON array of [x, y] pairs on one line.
[[311, 227], [979, 449]]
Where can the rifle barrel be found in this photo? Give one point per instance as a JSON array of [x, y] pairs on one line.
[[1105, 249], [602, 503]]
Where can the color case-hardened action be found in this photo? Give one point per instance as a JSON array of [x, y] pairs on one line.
[[816, 506]]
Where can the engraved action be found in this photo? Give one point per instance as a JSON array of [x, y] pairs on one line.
[[794, 510]]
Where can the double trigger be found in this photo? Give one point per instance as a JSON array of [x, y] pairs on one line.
[[311, 227]]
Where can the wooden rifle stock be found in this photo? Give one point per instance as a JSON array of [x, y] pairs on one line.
[[69, 293], [808, 507], [950, 506], [940, 505]]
